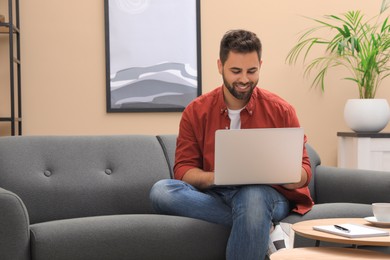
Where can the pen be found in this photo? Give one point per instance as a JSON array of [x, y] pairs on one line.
[[342, 228]]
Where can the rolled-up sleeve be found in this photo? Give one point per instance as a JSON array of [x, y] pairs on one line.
[[188, 154]]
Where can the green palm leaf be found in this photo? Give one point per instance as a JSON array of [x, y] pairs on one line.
[[361, 46]]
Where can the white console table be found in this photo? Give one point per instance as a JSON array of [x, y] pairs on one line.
[[369, 151]]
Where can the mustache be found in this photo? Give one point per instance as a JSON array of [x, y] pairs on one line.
[[243, 84]]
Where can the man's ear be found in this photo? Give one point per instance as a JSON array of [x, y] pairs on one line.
[[220, 66]]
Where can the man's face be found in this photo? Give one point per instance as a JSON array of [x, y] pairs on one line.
[[240, 74]]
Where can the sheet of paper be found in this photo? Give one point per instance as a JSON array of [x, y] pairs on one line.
[[352, 230]]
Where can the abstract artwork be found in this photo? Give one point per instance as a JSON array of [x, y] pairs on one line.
[[152, 54]]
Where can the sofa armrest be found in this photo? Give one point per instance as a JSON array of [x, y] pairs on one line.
[[351, 185], [14, 227]]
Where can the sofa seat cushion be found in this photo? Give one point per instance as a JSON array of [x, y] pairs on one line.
[[128, 237], [333, 210]]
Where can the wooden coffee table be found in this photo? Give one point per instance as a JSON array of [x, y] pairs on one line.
[[305, 229], [327, 253]]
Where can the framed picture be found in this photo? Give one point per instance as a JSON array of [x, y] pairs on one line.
[[152, 54]]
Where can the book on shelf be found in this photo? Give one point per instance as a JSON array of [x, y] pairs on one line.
[[352, 230]]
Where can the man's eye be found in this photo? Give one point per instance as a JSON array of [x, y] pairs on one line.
[[236, 71]]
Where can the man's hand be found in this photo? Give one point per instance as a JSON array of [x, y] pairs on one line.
[[199, 178]]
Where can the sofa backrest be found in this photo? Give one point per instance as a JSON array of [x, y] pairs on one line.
[[168, 143], [315, 161], [60, 177]]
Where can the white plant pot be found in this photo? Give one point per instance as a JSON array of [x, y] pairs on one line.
[[367, 115]]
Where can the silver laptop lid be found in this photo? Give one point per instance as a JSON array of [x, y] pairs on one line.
[[258, 156]]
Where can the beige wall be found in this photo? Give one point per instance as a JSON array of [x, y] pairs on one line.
[[63, 74]]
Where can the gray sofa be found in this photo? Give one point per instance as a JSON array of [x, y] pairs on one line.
[[87, 197]]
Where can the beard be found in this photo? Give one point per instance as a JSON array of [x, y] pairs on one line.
[[235, 86]]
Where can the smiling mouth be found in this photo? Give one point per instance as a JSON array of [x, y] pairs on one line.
[[242, 86]]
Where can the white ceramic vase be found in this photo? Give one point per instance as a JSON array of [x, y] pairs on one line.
[[367, 115]]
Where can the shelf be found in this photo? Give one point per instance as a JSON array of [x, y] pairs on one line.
[[364, 134], [8, 119], [367, 151], [4, 28]]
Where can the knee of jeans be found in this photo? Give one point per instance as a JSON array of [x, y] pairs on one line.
[[160, 194], [157, 189]]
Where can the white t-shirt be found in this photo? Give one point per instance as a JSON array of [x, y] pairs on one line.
[[235, 119]]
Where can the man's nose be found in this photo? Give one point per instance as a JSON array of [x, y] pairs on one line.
[[244, 78]]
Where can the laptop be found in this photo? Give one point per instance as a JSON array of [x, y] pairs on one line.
[[258, 156]]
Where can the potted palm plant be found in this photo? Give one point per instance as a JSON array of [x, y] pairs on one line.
[[360, 45]]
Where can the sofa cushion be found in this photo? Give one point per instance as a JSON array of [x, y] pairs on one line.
[[314, 162], [14, 226], [128, 237], [60, 177], [351, 185], [168, 144], [332, 210]]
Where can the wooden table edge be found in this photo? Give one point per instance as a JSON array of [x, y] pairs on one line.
[[323, 236], [322, 252]]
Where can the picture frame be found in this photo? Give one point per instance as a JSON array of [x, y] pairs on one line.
[[153, 54]]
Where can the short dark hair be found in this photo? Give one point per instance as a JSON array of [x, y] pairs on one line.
[[240, 41]]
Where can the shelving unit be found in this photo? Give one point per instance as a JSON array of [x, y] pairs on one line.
[[11, 27], [368, 151]]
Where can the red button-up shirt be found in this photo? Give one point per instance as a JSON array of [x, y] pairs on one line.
[[208, 113]]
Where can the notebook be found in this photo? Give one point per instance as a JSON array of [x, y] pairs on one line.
[[352, 230], [258, 156]]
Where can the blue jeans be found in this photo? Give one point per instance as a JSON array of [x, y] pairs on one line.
[[248, 210]]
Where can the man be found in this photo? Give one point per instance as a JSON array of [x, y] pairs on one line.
[[248, 210]]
